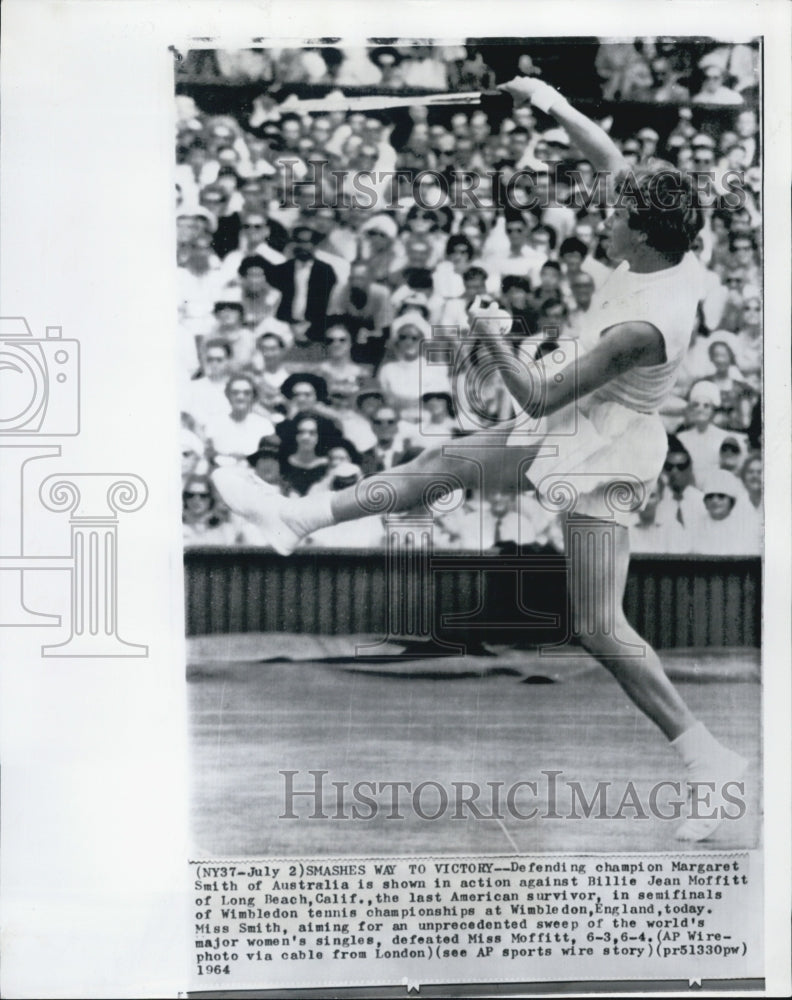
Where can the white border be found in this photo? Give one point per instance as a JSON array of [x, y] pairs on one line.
[[93, 837]]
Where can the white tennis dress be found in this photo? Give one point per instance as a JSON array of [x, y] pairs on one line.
[[605, 451]]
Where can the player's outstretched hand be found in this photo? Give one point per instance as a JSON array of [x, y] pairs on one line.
[[489, 317], [521, 88], [540, 94]]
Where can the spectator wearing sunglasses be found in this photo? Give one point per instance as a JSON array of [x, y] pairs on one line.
[[205, 396], [724, 531], [338, 369], [656, 528], [254, 240], [236, 433], [392, 447], [681, 501], [203, 520]]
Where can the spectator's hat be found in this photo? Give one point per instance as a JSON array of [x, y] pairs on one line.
[[648, 134], [631, 146], [704, 392], [369, 387], [268, 447], [720, 481], [231, 296], [345, 474], [228, 303], [557, 137], [731, 444], [686, 113], [412, 318], [381, 223], [198, 211], [385, 55], [319, 384], [438, 394], [305, 227], [702, 139]]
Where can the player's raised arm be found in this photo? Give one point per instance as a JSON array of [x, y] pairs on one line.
[[595, 144]]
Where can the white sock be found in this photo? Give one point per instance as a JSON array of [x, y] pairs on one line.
[[309, 513], [697, 746]]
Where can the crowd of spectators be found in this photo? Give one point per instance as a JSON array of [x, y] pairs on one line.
[[304, 304]]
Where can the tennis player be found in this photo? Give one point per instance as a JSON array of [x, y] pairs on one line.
[[599, 414]]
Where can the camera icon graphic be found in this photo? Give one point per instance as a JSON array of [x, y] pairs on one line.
[[477, 388], [39, 381]]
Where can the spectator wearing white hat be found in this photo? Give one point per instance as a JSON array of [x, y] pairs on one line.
[[405, 379], [724, 531], [703, 438], [380, 248]]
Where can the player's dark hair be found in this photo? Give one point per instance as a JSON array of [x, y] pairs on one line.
[[662, 205]]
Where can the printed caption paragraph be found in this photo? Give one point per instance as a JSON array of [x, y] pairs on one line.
[[431, 919]]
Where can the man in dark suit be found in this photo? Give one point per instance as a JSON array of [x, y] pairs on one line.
[[305, 284], [391, 447]]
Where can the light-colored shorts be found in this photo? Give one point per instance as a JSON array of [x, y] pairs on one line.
[[601, 462]]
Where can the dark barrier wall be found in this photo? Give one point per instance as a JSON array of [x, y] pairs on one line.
[[672, 601]]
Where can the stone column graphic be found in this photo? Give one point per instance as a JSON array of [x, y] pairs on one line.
[[410, 599], [94, 501], [13, 612]]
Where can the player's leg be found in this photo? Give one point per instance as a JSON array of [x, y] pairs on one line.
[[473, 461], [597, 592]]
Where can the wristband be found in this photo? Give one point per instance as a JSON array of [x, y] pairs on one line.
[[545, 97]]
